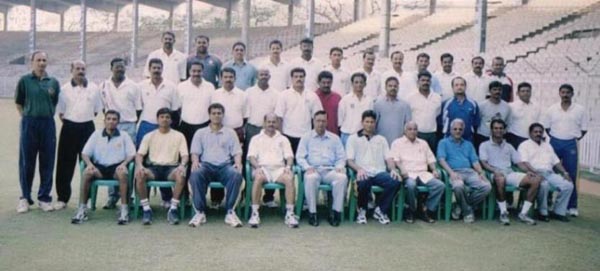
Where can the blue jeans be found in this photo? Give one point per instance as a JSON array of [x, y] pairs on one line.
[[225, 174], [566, 150], [436, 189], [38, 136], [385, 181], [344, 138]]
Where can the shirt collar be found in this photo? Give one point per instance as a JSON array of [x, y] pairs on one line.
[[85, 83], [116, 133], [263, 132], [34, 76], [361, 134], [496, 144], [315, 134]]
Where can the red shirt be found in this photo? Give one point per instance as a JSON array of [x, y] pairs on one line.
[[330, 104]]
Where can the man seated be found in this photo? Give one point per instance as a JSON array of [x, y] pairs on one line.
[[271, 157], [165, 149], [497, 156], [416, 162], [106, 155], [214, 149], [457, 156], [367, 154], [321, 156], [539, 156]]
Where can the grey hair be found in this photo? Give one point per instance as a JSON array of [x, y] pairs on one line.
[[411, 123], [457, 121]]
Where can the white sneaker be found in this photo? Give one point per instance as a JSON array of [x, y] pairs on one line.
[[45, 206], [381, 217], [23, 206], [232, 219], [59, 205], [291, 220], [456, 212], [362, 216], [80, 216], [197, 220], [470, 218], [573, 212], [254, 220]]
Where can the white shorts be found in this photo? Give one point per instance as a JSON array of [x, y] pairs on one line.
[[273, 173], [514, 178]]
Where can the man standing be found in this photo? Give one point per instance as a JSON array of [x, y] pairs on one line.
[[352, 106], [497, 156], [497, 74], [78, 104], [446, 75], [322, 159], [477, 81], [457, 156], [523, 113], [392, 113], [195, 95], [235, 102], [422, 66], [416, 162], [341, 77], [271, 158], [330, 101], [540, 157], [36, 97], [493, 108], [216, 157], [406, 80], [311, 65], [174, 61], [368, 155], [372, 77], [245, 73], [460, 107], [567, 123], [425, 107], [212, 64], [278, 69], [167, 157]]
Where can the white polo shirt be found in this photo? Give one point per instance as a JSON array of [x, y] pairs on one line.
[[445, 80], [370, 154], [341, 80], [414, 157], [567, 124], [541, 157], [425, 110], [155, 98], [195, 101], [522, 115], [260, 103], [312, 67], [270, 151], [280, 74], [235, 103], [174, 65], [296, 109], [350, 111], [477, 86], [79, 103], [489, 111], [125, 99], [373, 87], [406, 83]]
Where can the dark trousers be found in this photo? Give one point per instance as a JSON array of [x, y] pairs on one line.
[[385, 181], [294, 141], [431, 139], [38, 136], [514, 140], [73, 136], [566, 150], [225, 174]]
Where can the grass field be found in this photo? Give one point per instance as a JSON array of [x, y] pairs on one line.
[[47, 241]]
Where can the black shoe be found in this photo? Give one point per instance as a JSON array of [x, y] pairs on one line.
[[561, 218], [410, 217], [543, 218], [147, 217], [313, 220], [425, 216], [335, 218]]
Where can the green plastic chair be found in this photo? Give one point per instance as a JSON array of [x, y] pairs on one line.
[[105, 182], [354, 197], [266, 186], [301, 192], [421, 189]]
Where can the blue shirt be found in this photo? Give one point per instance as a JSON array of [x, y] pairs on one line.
[[467, 110], [245, 74], [107, 150], [212, 68], [316, 151], [457, 154], [216, 147]]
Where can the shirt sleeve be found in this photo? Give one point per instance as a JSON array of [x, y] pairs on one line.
[[252, 151], [99, 105], [146, 73], [20, 93], [340, 155], [61, 107], [385, 147], [245, 106], [523, 152], [144, 146], [483, 155], [196, 147], [350, 148], [317, 106], [302, 153], [88, 148], [183, 148], [175, 101], [182, 66], [137, 97], [280, 106], [287, 149], [394, 152], [341, 112], [515, 157], [129, 146], [429, 154], [441, 150], [236, 148]]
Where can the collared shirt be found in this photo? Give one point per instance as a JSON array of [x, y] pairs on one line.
[[392, 115], [341, 80], [79, 103], [477, 86], [490, 111], [350, 111], [125, 99], [522, 115], [414, 157], [155, 98], [280, 74], [260, 102], [212, 67], [445, 80], [373, 87], [567, 124], [270, 151], [38, 96], [368, 153], [467, 110], [315, 151], [425, 110], [330, 103], [540, 156], [235, 102], [501, 156], [507, 85], [296, 109], [163, 149], [195, 100], [458, 154], [312, 67], [174, 65], [216, 147], [406, 83], [245, 74], [106, 150]]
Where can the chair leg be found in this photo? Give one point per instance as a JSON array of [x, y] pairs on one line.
[[401, 200], [448, 203], [93, 193], [248, 199], [282, 201], [352, 204]]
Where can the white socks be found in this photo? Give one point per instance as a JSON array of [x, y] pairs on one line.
[[526, 206], [255, 208], [174, 204], [289, 208], [502, 206], [145, 204]]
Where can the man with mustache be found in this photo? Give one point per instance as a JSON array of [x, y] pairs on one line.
[[278, 68], [425, 107], [341, 77], [372, 76], [311, 65], [406, 81], [245, 72], [392, 113], [497, 74], [477, 80], [77, 107], [492, 108], [446, 75], [212, 64], [174, 61], [460, 107]]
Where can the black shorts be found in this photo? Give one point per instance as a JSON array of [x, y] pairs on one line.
[[161, 172], [107, 172]]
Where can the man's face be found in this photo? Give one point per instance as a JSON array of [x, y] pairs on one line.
[[411, 131], [320, 123], [325, 85], [422, 63], [156, 70], [358, 84], [238, 52], [270, 123], [216, 116], [447, 63], [275, 49], [298, 79], [498, 130], [168, 41], [228, 79], [202, 45], [111, 121], [391, 88], [457, 130], [263, 76], [566, 95], [336, 57], [424, 83], [196, 73], [496, 92], [459, 86], [477, 65], [306, 48], [369, 60], [397, 60], [537, 134], [78, 71], [368, 125], [524, 94], [164, 120], [40, 61], [497, 66], [118, 70]]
